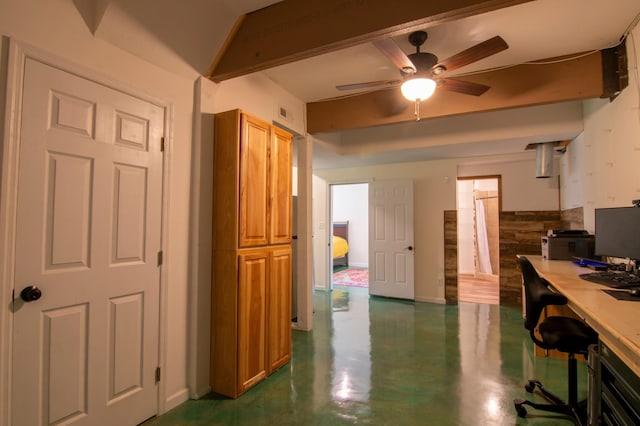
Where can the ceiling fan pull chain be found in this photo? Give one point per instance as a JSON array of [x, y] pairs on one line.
[[416, 112]]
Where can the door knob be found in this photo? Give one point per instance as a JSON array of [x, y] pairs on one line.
[[410, 248], [30, 293]]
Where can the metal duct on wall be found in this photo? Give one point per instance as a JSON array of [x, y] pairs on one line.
[[544, 159]]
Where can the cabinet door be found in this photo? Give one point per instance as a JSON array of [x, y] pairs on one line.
[[281, 161], [255, 140], [252, 287], [279, 308]]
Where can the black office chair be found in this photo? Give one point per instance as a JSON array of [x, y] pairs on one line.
[[565, 334]]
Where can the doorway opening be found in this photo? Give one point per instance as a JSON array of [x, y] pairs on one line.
[[349, 246], [479, 205]]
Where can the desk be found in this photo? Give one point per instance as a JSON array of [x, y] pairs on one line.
[[616, 321]]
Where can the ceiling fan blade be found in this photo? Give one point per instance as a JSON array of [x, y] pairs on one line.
[[396, 55], [379, 83], [475, 53], [460, 86]]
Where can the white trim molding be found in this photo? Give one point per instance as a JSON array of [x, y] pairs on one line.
[[9, 197]]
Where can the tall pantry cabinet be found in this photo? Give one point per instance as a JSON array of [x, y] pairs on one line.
[[251, 288]]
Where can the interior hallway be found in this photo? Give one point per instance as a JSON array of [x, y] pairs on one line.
[[380, 361]]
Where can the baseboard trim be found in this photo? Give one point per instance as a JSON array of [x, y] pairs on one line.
[[176, 399], [438, 300], [201, 393]]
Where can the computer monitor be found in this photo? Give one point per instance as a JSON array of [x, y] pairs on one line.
[[618, 232]]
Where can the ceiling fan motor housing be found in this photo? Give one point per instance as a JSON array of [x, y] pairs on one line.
[[423, 62], [417, 38]]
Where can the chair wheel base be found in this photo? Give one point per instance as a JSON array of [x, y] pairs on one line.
[[576, 412], [522, 412], [531, 385]]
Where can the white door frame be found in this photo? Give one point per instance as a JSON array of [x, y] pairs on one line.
[[18, 53], [329, 227]]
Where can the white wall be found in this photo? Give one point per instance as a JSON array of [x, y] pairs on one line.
[[521, 190], [601, 166], [58, 28], [350, 203], [258, 96], [435, 192], [320, 224]]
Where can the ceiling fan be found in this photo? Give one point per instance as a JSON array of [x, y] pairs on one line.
[[422, 72]]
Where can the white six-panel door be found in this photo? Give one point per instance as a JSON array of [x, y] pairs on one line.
[[88, 236], [391, 239]]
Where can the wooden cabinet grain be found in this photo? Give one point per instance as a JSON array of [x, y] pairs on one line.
[[251, 276], [279, 308]]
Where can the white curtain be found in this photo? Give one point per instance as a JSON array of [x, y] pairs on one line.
[[484, 260]]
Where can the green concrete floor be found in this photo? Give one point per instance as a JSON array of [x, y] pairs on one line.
[[376, 361]]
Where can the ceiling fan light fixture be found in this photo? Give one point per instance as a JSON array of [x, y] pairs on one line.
[[418, 89]]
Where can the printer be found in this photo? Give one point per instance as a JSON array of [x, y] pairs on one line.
[[565, 244]]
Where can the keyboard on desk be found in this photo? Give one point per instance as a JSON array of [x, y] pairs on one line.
[[613, 279]]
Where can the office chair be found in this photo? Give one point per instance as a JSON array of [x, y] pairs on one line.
[[564, 334]]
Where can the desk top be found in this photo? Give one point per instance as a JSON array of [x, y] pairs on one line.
[[616, 321]]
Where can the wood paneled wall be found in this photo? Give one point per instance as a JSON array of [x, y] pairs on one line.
[[451, 257], [520, 233]]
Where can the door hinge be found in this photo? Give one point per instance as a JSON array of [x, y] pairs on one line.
[[157, 374], [162, 144], [160, 258]]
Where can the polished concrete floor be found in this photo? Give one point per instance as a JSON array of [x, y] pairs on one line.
[[376, 361]]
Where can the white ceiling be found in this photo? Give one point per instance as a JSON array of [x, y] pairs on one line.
[[535, 30]]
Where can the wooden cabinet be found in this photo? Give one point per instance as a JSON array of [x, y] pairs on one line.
[[251, 288], [252, 315], [265, 184], [279, 308]]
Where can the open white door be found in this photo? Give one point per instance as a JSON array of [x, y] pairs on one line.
[[86, 328], [391, 239]]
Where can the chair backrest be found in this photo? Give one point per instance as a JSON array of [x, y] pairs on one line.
[[537, 294]]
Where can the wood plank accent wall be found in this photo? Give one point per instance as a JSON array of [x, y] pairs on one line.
[[451, 257], [520, 233]]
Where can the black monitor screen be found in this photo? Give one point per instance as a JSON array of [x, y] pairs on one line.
[[618, 232]]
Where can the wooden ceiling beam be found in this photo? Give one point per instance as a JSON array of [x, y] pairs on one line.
[[518, 86], [298, 29]]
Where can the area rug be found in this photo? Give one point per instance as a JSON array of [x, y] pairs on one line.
[[352, 276]]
